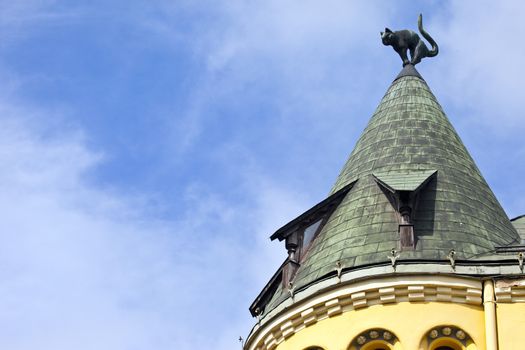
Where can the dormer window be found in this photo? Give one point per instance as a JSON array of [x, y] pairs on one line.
[[402, 190], [309, 233], [300, 233]]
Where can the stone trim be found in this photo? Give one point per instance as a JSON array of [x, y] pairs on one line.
[[510, 291], [355, 296]]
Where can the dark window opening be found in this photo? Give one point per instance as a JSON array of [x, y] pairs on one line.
[[309, 233]]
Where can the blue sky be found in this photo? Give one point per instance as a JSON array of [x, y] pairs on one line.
[[149, 149]]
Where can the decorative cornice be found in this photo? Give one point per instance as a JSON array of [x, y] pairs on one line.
[[354, 296], [401, 267], [510, 291]]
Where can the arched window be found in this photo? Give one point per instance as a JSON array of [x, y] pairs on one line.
[[447, 338], [374, 339]]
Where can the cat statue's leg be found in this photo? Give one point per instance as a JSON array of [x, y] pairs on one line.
[[403, 54], [420, 52]]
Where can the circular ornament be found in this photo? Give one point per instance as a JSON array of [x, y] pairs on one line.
[[387, 335], [361, 340], [460, 335], [447, 331], [374, 334], [434, 334]]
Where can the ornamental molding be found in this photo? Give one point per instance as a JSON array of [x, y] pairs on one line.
[[371, 336], [360, 295], [444, 334], [510, 291]]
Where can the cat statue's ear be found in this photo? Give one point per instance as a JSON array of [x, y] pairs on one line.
[[388, 30]]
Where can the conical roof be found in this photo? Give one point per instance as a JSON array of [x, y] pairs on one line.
[[408, 146], [408, 139]]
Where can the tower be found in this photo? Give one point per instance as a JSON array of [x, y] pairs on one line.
[[410, 250]]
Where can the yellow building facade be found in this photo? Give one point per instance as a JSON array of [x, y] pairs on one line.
[[410, 250]]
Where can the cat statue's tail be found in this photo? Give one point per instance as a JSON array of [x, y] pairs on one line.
[[435, 49]]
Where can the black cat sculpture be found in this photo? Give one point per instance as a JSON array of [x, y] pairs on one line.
[[404, 40]]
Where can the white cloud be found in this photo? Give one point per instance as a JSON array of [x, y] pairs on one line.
[[482, 60], [300, 60], [71, 256], [19, 17], [86, 267]]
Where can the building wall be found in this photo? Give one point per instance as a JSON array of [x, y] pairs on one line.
[[410, 322], [510, 313], [511, 326]]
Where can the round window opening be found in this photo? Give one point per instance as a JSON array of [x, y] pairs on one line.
[[374, 339], [447, 338]]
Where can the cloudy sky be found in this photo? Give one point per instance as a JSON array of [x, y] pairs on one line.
[[149, 148]]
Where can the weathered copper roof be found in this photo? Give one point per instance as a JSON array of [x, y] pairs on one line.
[[408, 145]]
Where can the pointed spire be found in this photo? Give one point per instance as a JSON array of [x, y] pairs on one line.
[[409, 71], [416, 183]]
